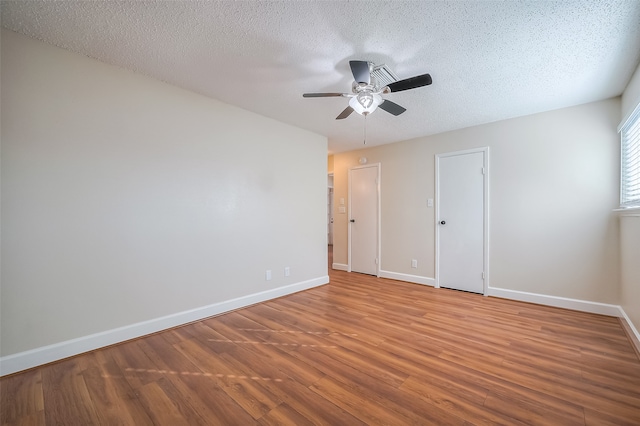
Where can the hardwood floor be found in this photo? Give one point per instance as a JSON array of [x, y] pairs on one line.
[[360, 350]]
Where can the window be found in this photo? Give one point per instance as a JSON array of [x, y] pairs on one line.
[[630, 161]]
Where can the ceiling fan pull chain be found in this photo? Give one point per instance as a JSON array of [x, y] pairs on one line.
[[365, 129]]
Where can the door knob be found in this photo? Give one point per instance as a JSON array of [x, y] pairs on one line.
[[442, 222]]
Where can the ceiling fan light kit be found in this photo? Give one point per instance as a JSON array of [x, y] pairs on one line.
[[370, 83], [364, 103]]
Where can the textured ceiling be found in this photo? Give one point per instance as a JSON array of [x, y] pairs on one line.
[[490, 60]]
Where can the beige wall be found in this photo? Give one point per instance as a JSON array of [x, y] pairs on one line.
[[630, 266], [125, 199], [553, 186], [630, 227], [631, 95]]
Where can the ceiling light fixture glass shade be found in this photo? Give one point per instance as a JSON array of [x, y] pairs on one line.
[[364, 103]]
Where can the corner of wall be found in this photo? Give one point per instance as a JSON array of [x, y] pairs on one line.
[[631, 95]]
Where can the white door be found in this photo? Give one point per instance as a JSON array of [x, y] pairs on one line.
[[330, 216], [363, 219], [460, 228]]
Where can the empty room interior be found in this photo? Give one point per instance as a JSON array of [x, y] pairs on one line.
[[323, 212]]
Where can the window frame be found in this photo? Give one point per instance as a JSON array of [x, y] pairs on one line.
[[630, 145]]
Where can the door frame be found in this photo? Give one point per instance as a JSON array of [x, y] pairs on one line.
[[485, 183], [378, 219]]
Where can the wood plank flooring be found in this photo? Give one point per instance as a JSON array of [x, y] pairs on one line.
[[360, 350]]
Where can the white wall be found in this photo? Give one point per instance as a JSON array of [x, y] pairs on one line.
[[125, 199], [553, 186]]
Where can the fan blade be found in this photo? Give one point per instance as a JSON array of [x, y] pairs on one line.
[[360, 71], [392, 107], [320, 95], [344, 114], [411, 83]]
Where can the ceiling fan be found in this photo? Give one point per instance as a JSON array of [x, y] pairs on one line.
[[366, 90]]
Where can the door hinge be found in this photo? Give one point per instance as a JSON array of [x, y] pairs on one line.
[[483, 275], [483, 171], [376, 260]]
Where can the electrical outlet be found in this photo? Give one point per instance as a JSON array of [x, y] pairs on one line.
[[414, 263], [287, 271], [267, 275]]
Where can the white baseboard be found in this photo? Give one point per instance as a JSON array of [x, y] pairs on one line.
[[340, 267], [566, 303], [416, 279], [558, 302], [623, 315], [32, 358]]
